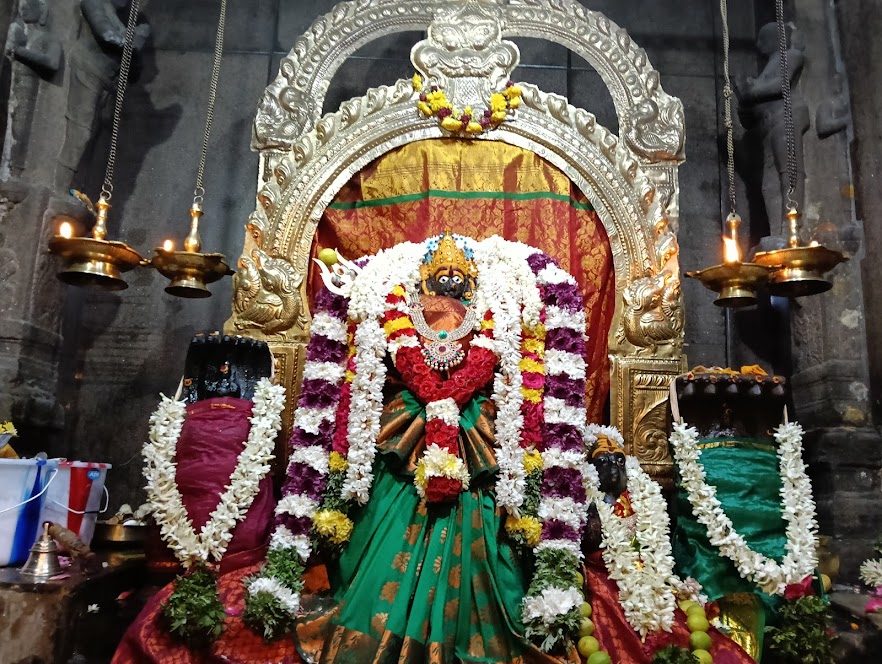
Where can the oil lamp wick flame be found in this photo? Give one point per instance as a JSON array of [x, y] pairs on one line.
[[168, 245], [65, 230], [731, 252]]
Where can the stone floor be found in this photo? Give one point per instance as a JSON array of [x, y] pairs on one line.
[[859, 634]]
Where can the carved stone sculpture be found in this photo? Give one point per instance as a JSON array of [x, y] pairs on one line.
[[94, 66], [761, 108], [833, 114], [36, 53]]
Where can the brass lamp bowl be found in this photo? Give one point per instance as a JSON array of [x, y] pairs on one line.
[[189, 272], [799, 271], [736, 282], [94, 262]]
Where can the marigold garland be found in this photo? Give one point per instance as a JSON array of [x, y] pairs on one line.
[[434, 103]]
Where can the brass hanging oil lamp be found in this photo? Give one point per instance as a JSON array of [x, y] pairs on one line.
[[736, 282], [96, 261], [798, 269], [190, 271]]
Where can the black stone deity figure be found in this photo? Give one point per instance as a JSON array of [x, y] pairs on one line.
[[36, 53], [761, 109], [224, 366], [609, 460], [94, 67]]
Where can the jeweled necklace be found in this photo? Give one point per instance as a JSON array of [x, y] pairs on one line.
[[441, 349]]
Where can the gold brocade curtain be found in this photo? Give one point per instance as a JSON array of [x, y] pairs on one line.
[[481, 188]]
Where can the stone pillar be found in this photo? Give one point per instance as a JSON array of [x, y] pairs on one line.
[[831, 380]]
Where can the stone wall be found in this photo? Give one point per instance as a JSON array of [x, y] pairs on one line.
[[90, 395]]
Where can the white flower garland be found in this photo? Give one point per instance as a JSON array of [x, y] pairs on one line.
[[164, 498], [798, 511], [644, 577], [871, 573], [365, 409]]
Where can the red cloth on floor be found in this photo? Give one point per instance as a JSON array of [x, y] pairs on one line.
[[622, 643]]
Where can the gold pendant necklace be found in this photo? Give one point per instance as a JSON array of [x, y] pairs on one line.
[[441, 349]]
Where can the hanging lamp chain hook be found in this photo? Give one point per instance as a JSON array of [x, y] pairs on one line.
[[121, 85], [789, 127], [199, 191]]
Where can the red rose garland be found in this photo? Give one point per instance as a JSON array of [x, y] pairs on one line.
[[430, 388]]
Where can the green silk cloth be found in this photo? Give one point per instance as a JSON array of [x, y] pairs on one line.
[[425, 583], [748, 483]]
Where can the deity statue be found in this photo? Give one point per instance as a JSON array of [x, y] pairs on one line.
[[208, 484], [761, 109], [94, 63], [606, 586], [36, 52]]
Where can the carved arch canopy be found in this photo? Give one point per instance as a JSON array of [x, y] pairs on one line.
[[631, 180]]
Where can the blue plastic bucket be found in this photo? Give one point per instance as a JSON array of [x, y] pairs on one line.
[[23, 485]]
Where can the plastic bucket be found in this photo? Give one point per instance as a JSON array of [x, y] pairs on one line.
[[23, 489], [77, 497]]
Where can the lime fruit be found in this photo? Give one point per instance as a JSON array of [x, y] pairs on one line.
[[703, 656], [684, 606], [696, 610], [586, 610], [697, 623], [587, 646], [599, 658], [586, 627], [580, 580], [700, 641], [827, 582], [328, 256]]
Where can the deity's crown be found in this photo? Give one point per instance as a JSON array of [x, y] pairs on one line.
[[605, 445], [449, 254]]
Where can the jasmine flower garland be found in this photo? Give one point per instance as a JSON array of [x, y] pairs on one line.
[[797, 509], [164, 498]]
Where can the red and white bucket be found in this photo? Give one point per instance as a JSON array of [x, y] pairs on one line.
[[77, 496]]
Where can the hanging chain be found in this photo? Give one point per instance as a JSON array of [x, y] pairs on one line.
[[121, 84], [789, 128], [727, 97], [199, 191]]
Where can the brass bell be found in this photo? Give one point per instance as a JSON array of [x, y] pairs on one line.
[[43, 560]]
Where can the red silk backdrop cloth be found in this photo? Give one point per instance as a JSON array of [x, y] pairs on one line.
[[481, 188]]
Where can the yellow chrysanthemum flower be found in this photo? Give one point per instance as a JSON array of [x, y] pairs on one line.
[[333, 525], [497, 116], [536, 346], [337, 462], [532, 461], [424, 108], [514, 102], [420, 475], [498, 102], [527, 526], [512, 92], [451, 124], [474, 127], [531, 365], [417, 82]]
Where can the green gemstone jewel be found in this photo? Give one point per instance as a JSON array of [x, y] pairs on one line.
[[442, 334]]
